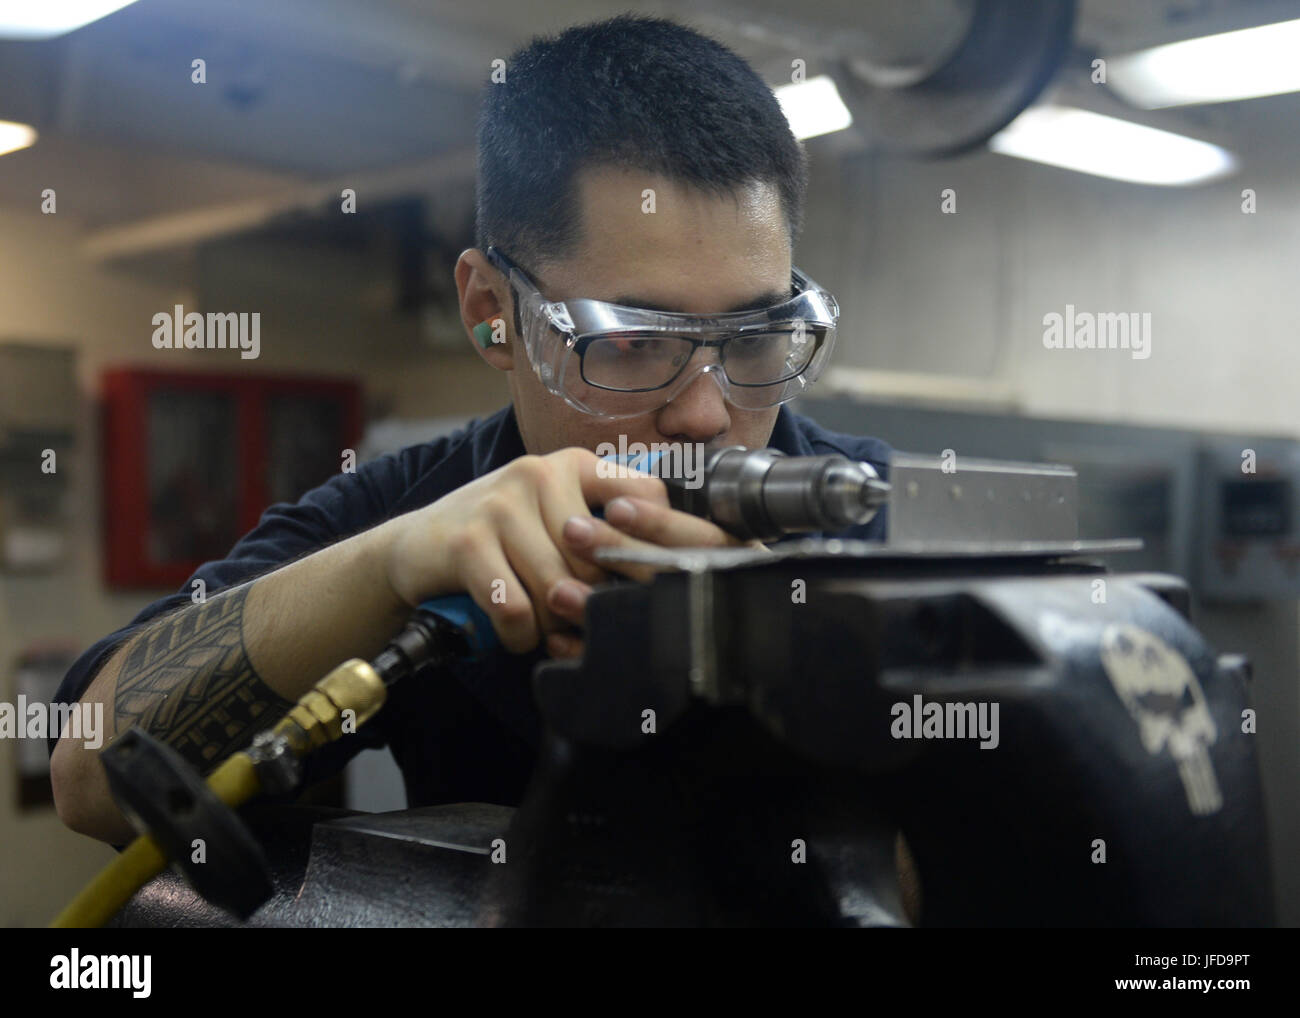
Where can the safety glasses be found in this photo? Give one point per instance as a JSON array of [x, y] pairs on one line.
[[613, 361]]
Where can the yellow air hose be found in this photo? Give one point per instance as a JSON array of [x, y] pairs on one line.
[[316, 719]]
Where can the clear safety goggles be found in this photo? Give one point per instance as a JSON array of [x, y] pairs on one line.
[[614, 361]]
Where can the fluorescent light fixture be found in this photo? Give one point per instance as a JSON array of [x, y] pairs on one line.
[[1212, 69], [44, 19], [814, 107], [1076, 139], [15, 136]]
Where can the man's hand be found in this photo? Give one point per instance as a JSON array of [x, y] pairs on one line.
[[630, 522], [521, 541]]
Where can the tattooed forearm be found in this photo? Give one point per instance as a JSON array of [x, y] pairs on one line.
[[188, 681]]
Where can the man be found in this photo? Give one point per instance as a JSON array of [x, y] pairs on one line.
[[633, 162]]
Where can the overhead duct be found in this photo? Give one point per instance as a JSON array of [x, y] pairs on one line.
[[927, 78]]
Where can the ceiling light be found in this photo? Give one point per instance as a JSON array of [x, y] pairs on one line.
[[1214, 68], [15, 136], [44, 19], [813, 107], [1088, 142]]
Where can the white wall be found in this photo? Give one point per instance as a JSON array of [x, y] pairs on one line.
[[965, 294]]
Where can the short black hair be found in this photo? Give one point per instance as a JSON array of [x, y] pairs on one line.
[[635, 92]]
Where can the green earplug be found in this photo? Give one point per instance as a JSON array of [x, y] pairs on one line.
[[483, 333]]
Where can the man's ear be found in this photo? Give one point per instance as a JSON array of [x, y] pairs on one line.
[[485, 308]]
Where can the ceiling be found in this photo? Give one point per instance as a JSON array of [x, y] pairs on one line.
[[325, 91]]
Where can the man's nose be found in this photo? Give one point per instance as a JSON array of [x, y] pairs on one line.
[[698, 412]]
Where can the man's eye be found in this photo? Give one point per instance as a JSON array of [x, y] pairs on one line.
[[758, 343], [645, 347]]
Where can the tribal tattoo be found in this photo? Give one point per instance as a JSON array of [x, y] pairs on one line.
[[188, 681]]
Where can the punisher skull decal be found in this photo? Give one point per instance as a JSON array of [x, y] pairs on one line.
[[1160, 690]]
